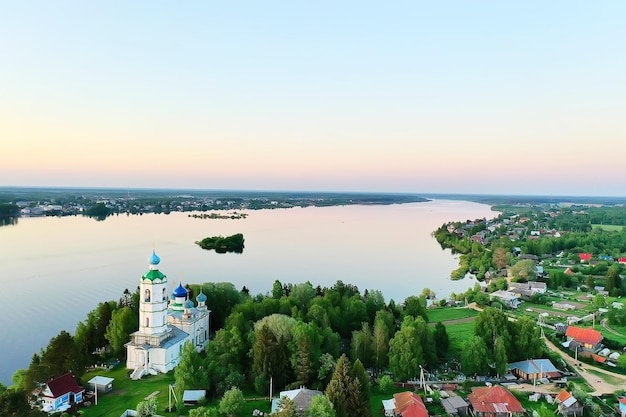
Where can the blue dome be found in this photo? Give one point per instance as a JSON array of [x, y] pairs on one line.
[[201, 298], [180, 291], [188, 304], [154, 259]]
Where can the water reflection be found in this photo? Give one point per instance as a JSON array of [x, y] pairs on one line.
[[8, 221]]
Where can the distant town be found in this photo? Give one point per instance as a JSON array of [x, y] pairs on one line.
[[26, 202]]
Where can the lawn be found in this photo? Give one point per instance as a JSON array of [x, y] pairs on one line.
[[450, 313], [127, 394], [458, 334], [608, 227]]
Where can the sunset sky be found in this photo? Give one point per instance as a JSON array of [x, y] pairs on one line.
[[417, 96]]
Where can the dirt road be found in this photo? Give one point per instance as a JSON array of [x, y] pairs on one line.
[[607, 384]]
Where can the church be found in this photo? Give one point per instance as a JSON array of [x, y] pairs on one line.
[[165, 324]]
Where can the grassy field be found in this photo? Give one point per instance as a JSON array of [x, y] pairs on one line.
[[458, 334], [127, 394], [607, 227], [450, 313]]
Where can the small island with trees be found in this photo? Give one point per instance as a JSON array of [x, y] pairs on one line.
[[222, 244]]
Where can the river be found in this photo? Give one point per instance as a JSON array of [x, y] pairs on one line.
[[54, 270]]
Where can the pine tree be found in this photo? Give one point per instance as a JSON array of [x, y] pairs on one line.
[[363, 393], [339, 388]]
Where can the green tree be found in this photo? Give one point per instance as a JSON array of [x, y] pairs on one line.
[[286, 407], [232, 403], [191, 372], [363, 395], [147, 408], [270, 356], [406, 352], [362, 344], [342, 389], [500, 357], [380, 338], [320, 407], [61, 356], [277, 290], [414, 306], [203, 412], [326, 368], [490, 324], [123, 322], [442, 342], [599, 301], [474, 357], [527, 343], [613, 282], [385, 383], [13, 403], [524, 270]]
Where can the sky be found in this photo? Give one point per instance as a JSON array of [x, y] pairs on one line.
[[472, 97]]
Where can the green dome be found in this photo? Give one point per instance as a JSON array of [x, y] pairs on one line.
[[153, 274]]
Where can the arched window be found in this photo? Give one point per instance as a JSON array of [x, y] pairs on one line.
[[147, 296], [147, 321], [164, 295]]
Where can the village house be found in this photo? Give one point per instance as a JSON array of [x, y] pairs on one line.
[[587, 337], [61, 393], [568, 405], [405, 404], [455, 406], [527, 289], [508, 298], [301, 397], [494, 401], [533, 369]]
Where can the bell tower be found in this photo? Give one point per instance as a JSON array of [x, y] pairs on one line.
[[153, 299]]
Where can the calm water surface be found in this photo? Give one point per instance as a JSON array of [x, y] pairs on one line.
[[55, 270]]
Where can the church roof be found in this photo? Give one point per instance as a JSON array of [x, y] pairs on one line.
[[201, 298], [180, 291], [154, 259], [153, 274]]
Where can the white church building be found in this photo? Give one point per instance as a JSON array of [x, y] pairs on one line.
[[165, 324]]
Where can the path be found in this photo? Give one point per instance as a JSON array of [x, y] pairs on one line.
[[604, 323], [599, 385]]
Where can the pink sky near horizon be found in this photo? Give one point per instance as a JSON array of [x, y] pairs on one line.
[[207, 96]]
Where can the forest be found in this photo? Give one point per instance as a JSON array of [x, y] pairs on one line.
[[296, 335]]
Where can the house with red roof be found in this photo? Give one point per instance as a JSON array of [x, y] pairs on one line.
[[405, 404], [621, 260], [568, 405], [587, 337], [61, 393], [494, 401], [584, 257]]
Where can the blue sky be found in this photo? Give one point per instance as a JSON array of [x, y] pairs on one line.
[[463, 97]]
